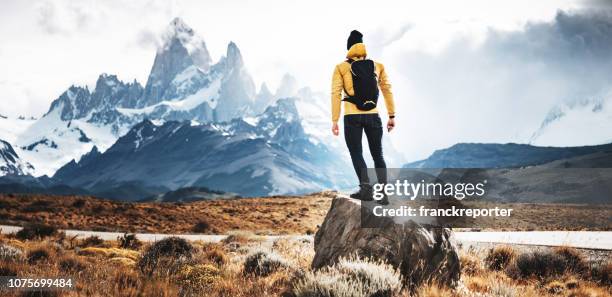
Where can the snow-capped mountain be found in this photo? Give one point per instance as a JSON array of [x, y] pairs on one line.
[[579, 122], [271, 154], [10, 163], [183, 85]]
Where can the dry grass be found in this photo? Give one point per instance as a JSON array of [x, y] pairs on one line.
[[265, 215], [500, 257], [215, 269]]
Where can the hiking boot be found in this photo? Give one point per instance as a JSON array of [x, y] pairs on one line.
[[364, 193], [384, 200]]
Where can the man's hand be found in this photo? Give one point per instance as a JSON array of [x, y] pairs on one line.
[[335, 129], [390, 125]]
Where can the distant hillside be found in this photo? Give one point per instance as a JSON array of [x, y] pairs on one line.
[[190, 194], [492, 155]]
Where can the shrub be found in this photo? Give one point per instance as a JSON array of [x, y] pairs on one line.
[[79, 203], [38, 255], [71, 264], [540, 264], [555, 287], [350, 277], [602, 273], [574, 259], [94, 241], [239, 237], [9, 253], [165, 253], [502, 289], [124, 279], [199, 276], [263, 263], [129, 241], [37, 206], [215, 254], [499, 257], [201, 227], [8, 269], [470, 264], [35, 231]]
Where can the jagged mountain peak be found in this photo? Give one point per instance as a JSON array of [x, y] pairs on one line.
[[264, 89], [10, 163], [178, 32], [233, 56], [288, 86]]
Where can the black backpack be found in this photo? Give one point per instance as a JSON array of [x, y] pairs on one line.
[[365, 84]]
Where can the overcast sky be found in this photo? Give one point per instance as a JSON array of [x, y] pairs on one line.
[[48, 45]]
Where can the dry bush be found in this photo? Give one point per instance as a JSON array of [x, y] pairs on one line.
[[499, 257], [479, 284], [10, 253], [540, 264], [201, 227], [470, 264], [555, 287], [71, 264], [79, 203], [602, 273], [198, 277], [9, 268], [239, 238], [129, 241], [300, 252], [164, 256], [41, 253], [350, 277], [263, 263], [93, 241], [503, 289], [35, 231], [574, 259], [214, 253]]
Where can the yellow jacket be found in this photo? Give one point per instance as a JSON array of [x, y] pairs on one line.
[[343, 80]]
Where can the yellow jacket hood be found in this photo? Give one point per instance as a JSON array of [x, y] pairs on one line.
[[358, 50]]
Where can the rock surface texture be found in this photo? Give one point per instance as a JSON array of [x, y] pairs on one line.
[[421, 254]]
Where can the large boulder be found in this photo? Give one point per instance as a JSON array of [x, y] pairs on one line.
[[421, 254]]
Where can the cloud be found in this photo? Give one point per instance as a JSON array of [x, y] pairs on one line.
[[501, 89], [67, 17], [147, 39]]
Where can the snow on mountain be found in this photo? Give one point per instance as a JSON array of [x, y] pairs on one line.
[[288, 86], [182, 85], [263, 99], [51, 142], [11, 127], [10, 163], [273, 157], [580, 122]]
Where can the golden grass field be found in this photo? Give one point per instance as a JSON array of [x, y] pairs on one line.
[[115, 268], [265, 215], [247, 264]]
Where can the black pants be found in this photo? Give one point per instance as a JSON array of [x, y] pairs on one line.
[[371, 124]]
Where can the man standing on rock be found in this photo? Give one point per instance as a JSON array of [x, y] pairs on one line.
[[359, 78]]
